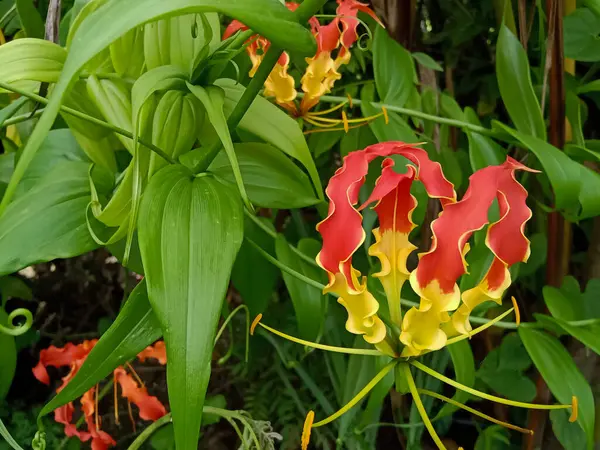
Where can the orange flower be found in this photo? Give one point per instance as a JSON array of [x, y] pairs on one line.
[[323, 69], [74, 356]]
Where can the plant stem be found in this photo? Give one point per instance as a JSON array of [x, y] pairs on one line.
[[144, 435], [81, 115], [304, 12], [413, 113]]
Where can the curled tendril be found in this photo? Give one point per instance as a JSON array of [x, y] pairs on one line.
[[17, 330], [39, 441]]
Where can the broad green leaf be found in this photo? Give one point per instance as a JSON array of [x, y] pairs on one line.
[[274, 126], [493, 437], [309, 303], [581, 30], [25, 60], [48, 222], [250, 266], [190, 230], [394, 69], [425, 60], [213, 100], [320, 143], [562, 376], [8, 350], [396, 130], [570, 437], [593, 5], [514, 80], [134, 329], [356, 139], [58, 147], [563, 306], [588, 335], [115, 18], [31, 20], [573, 183], [464, 371], [538, 256], [14, 287], [271, 179], [574, 106], [483, 151]]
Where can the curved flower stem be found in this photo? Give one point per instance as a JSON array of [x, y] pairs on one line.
[[83, 116], [12, 330], [329, 348], [149, 431], [228, 319], [483, 395], [419, 404], [479, 329], [474, 411], [413, 113], [358, 397]]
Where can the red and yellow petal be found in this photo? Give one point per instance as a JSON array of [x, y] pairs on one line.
[[421, 331], [343, 233], [157, 351], [61, 357], [347, 11], [280, 84], [506, 239]]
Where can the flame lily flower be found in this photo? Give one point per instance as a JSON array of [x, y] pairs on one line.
[[334, 41], [442, 316], [132, 389]]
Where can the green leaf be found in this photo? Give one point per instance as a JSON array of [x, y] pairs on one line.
[[14, 287], [464, 370], [427, 61], [573, 183], [115, 18], [483, 151], [574, 106], [570, 437], [8, 350], [274, 126], [271, 179], [581, 30], [127, 54], [25, 60], [48, 222], [588, 335], [250, 266], [562, 376], [309, 303], [213, 99], [494, 437], [562, 305], [396, 130], [134, 329], [190, 230], [594, 6], [32, 22], [320, 143], [514, 80], [394, 69], [356, 139]]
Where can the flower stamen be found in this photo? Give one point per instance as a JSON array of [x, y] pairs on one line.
[[330, 110], [492, 398], [96, 416], [308, 423], [419, 404], [255, 322], [483, 327], [358, 397], [474, 411], [574, 409], [348, 351], [345, 121], [517, 312], [116, 400]]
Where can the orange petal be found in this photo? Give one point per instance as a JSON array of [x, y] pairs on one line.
[[233, 27], [157, 351], [150, 407], [61, 357], [347, 11]]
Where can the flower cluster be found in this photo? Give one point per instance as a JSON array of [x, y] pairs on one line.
[[133, 389], [333, 51], [442, 316]]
